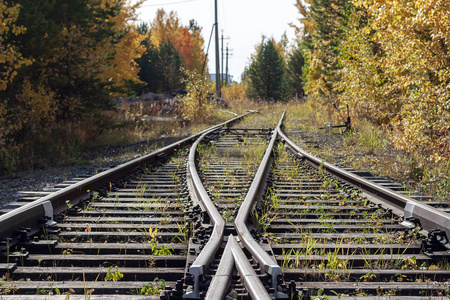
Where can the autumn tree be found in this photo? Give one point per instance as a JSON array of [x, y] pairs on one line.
[[82, 49], [11, 60], [82, 53], [187, 40], [388, 60], [120, 67], [398, 62], [169, 46], [266, 73], [195, 105], [320, 33]]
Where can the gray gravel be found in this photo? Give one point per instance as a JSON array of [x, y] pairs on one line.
[[37, 180]]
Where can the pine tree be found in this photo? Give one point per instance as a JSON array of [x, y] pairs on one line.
[[170, 63], [295, 73], [160, 69], [149, 73], [267, 74]]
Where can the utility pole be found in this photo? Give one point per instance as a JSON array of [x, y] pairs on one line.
[[221, 71], [226, 75], [217, 52], [222, 82]]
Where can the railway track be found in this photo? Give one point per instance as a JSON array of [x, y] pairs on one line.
[[233, 212]]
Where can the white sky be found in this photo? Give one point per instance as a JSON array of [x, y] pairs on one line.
[[243, 21]]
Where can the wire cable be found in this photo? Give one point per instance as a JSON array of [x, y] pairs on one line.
[[170, 3]]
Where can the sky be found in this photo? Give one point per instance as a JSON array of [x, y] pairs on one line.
[[243, 22]]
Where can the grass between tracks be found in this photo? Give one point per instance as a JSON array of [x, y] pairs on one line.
[[334, 255], [367, 147]]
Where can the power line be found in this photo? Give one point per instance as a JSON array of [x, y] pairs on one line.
[[170, 3]]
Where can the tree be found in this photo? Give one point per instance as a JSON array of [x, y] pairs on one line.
[[149, 71], [160, 68], [83, 50], [79, 53], [122, 68], [267, 73], [195, 105], [388, 60], [321, 34], [295, 73], [398, 65], [170, 63], [169, 46], [11, 59], [188, 41]]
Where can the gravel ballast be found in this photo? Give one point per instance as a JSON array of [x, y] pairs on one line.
[[39, 180]]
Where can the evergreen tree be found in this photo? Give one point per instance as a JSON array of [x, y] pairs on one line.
[[149, 72], [295, 73], [267, 74], [170, 63], [160, 69], [71, 42]]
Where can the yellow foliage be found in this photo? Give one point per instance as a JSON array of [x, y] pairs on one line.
[[10, 58], [195, 106], [164, 27], [123, 68], [393, 66], [37, 106], [235, 91], [112, 61], [396, 70], [167, 27]]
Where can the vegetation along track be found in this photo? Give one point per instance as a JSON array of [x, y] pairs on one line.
[[243, 213]]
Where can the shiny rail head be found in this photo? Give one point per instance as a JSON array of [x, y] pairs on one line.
[[267, 263]]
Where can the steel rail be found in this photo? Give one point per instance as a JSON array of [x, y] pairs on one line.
[[267, 263], [221, 281], [29, 214], [199, 194], [233, 255], [252, 283], [430, 217]]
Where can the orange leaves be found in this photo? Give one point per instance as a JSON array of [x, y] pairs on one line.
[[123, 67], [187, 41]]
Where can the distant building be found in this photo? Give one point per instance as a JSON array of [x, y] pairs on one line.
[[222, 77]]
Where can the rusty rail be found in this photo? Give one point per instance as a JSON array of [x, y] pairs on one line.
[[29, 214]]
